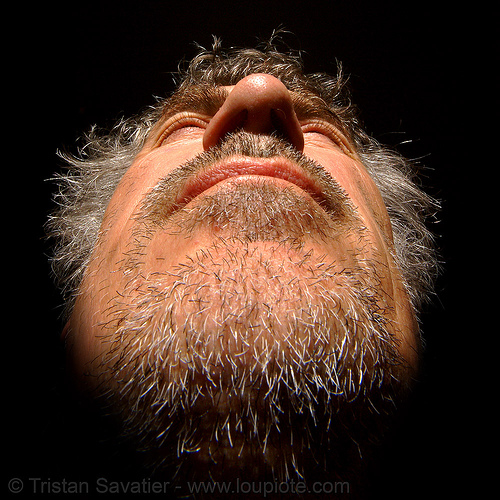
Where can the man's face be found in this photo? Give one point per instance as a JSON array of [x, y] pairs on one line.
[[243, 276]]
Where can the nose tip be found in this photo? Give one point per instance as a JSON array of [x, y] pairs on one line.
[[259, 104]]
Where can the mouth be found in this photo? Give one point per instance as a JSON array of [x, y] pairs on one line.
[[242, 169]]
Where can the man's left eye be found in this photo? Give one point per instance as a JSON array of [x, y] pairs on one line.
[[322, 132], [321, 137]]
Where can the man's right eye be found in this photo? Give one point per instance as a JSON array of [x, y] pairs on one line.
[[183, 126], [183, 133]]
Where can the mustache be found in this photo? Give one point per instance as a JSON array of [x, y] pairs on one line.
[[161, 202]]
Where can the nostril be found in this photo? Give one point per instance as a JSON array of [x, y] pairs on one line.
[[278, 120], [238, 121], [288, 127], [218, 129]]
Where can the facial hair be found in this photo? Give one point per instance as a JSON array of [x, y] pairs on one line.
[[256, 356]]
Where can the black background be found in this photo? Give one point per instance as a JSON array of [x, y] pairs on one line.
[[76, 64]]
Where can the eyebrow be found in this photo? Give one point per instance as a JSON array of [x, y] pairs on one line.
[[200, 98], [308, 106]]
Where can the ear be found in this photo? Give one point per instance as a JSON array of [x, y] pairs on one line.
[[65, 331]]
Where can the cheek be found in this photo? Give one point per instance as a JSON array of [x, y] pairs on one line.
[[355, 180], [349, 173], [147, 170], [357, 183], [84, 344], [141, 177], [163, 160]]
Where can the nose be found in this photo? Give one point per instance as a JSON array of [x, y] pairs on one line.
[[259, 104]]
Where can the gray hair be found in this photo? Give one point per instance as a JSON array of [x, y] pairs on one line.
[[92, 175]]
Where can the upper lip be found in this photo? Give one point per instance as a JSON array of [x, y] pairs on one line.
[[279, 168]]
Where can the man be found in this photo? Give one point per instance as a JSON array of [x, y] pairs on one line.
[[244, 268]]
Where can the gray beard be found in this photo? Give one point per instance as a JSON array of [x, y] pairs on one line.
[[220, 366], [245, 363]]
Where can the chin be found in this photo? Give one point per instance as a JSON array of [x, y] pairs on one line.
[[236, 365]]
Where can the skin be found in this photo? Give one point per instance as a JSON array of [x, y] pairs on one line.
[[249, 105]]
